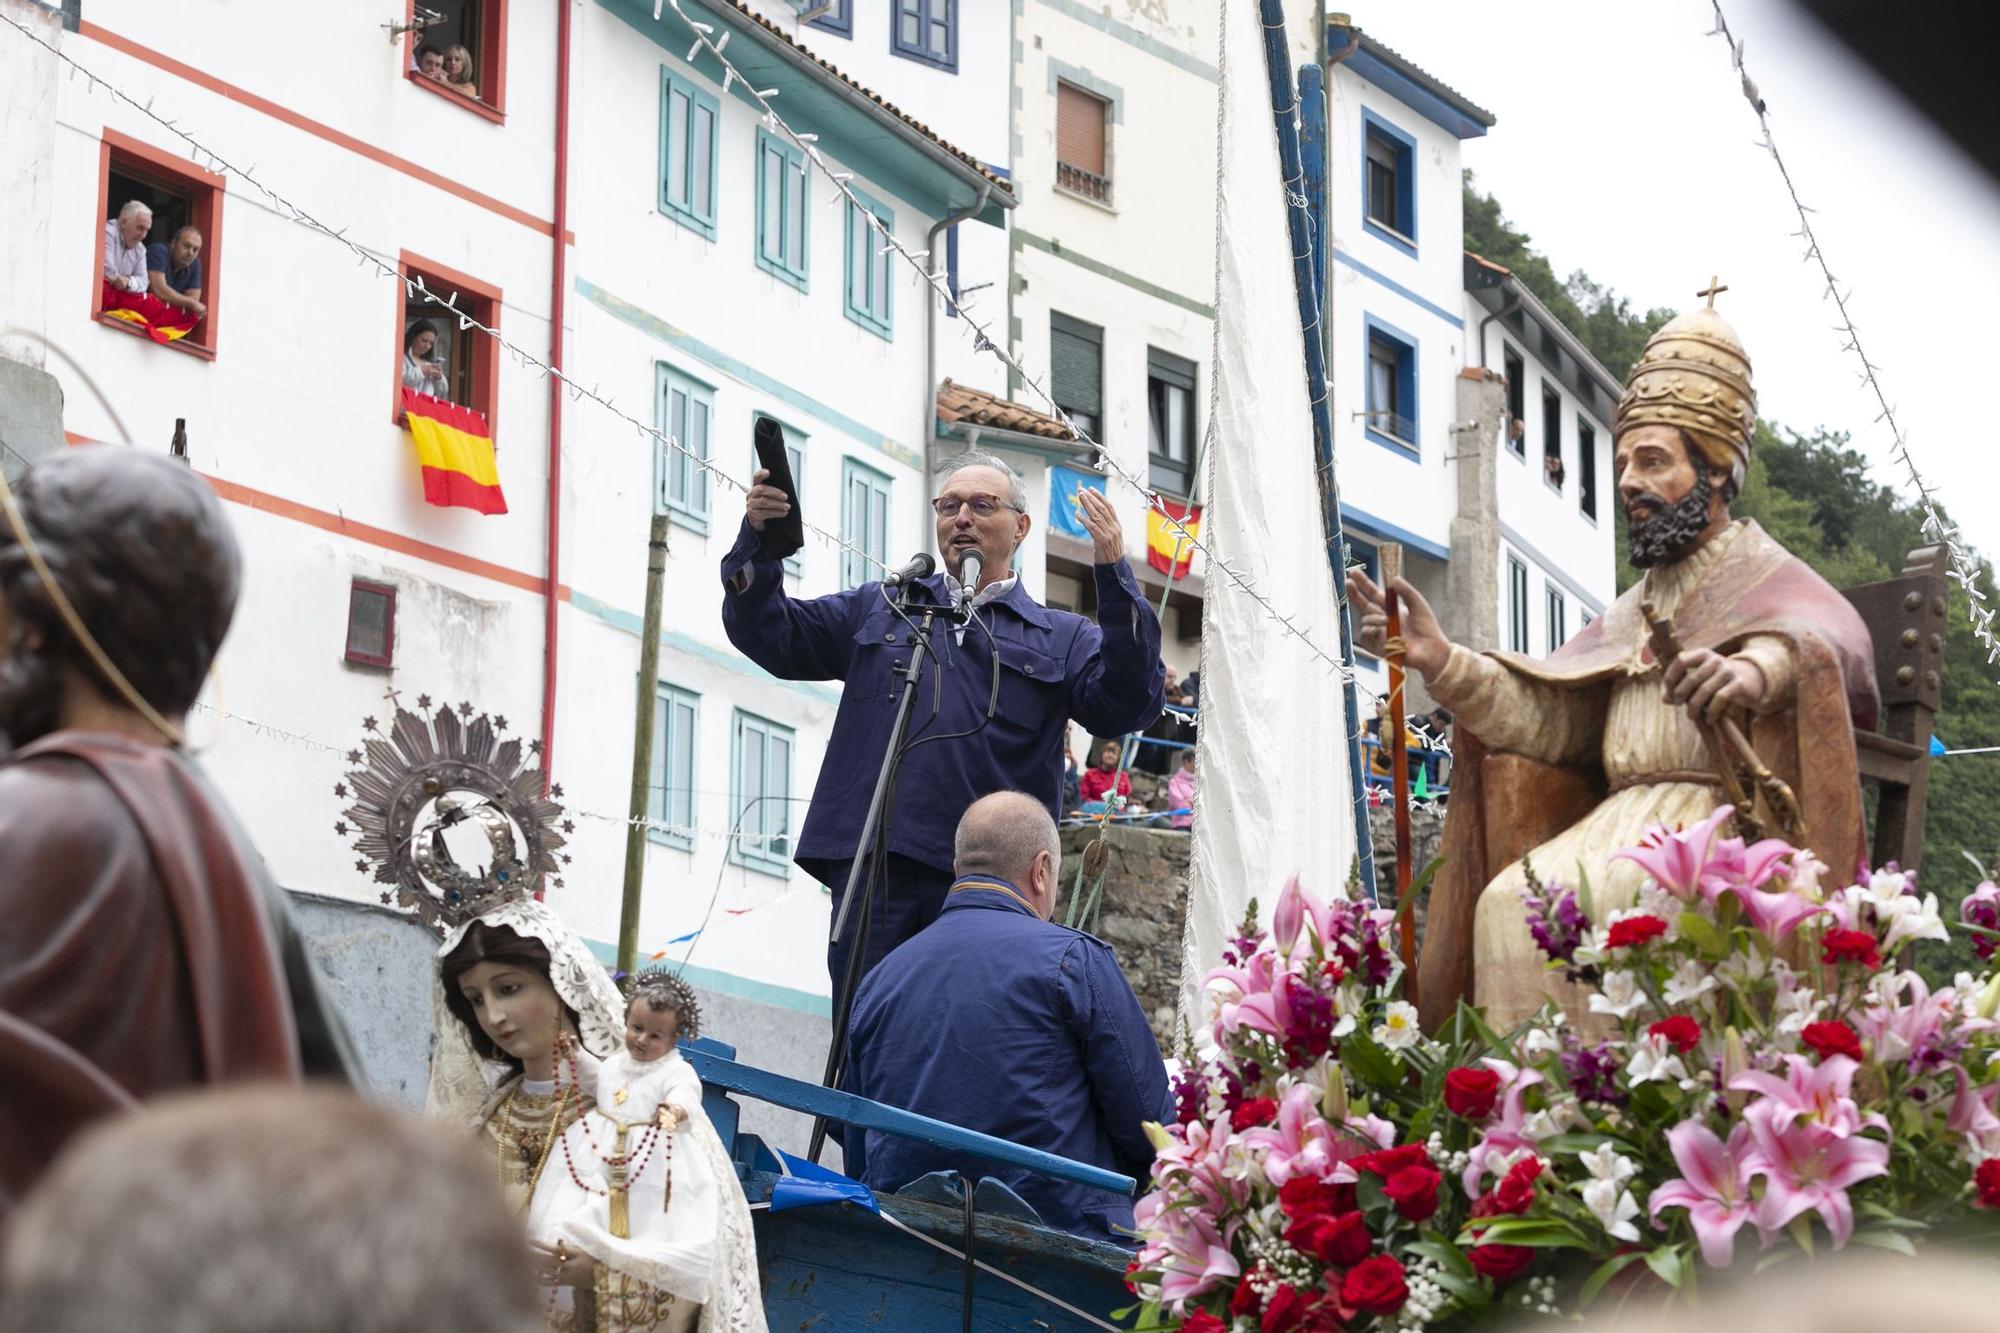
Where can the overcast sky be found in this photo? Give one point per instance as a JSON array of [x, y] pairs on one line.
[[1625, 148]]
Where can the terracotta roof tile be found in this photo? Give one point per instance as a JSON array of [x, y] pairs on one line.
[[958, 402], [1002, 183]]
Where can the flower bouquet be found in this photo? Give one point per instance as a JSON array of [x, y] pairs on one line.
[[1757, 1070]]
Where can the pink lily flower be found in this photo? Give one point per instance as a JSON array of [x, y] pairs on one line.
[[1812, 1095], [1258, 1002], [1191, 1254], [1302, 1143], [1714, 1187], [1199, 1155], [1675, 859], [1289, 916], [1897, 1027], [1506, 1133], [1972, 1113], [1806, 1169]]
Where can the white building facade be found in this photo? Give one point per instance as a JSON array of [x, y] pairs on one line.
[[711, 276], [1410, 321]]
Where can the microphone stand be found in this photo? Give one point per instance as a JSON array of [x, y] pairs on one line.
[[870, 849]]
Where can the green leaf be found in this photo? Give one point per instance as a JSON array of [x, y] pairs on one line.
[[1369, 1063], [1584, 898], [1699, 929], [1667, 1265], [1574, 1143], [1604, 1272], [1487, 1035], [1884, 1239], [1534, 1232], [1802, 1232]]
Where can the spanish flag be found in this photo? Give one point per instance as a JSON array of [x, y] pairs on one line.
[[455, 446], [1166, 550]]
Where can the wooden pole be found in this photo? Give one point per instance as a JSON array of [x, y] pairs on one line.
[[642, 746], [1399, 767]]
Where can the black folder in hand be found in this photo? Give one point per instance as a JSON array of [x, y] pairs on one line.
[[781, 536]]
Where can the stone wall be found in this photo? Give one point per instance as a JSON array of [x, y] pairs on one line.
[[1140, 915]]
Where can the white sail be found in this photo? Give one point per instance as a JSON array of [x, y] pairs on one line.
[[1272, 791]]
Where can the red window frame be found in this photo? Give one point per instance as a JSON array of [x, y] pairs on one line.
[[492, 103], [135, 157], [387, 591], [479, 300]]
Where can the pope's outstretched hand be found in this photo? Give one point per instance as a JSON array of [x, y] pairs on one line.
[[1425, 648]]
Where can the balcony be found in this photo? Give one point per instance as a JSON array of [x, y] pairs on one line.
[[1087, 184]]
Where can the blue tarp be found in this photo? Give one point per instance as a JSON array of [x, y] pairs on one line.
[[807, 1183], [1937, 746]]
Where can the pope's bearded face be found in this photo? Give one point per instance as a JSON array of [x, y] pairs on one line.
[[1665, 494]]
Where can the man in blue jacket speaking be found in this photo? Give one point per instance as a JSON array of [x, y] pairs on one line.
[[1053, 666]]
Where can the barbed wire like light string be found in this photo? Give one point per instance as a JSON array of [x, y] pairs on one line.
[[1964, 570], [807, 143]]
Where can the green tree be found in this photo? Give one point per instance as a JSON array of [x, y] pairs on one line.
[[1600, 318]]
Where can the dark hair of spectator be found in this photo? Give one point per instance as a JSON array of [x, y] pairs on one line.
[[140, 546], [491, 944], [261, 1208], [418, 328]]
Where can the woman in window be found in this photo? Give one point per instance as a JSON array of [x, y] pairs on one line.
[[458, 72], [419, 371]]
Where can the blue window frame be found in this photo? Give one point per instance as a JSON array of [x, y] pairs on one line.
[[1389, 183], [867, 297], [926, 30], [688, 119], [670, 799], [795, 454], [1391, 419], [836, 16], [760, 795], [687, 414], [864, 522], [781, 209]]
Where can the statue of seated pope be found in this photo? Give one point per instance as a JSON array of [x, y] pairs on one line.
[[1571, 758]]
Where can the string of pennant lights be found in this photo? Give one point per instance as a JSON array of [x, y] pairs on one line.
[[980, 331], [1963, 568]]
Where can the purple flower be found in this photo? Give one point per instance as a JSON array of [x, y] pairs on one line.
[[1982, 908], [1593, 1072], [1557, 925]]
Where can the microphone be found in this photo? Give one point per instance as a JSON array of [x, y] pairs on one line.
[[921, 566], [968, 581]]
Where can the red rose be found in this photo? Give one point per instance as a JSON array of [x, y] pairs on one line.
[[1284, 1311], [1680, 1032], [1201, 1321], [1244, 1300], [1374, 1286], [1414, 1191], [1389, 1161], [1850, 946], [1835, 1038], [1516, 1193], [1634, 930], [1471, 1092], [1256, 1111], [1340, 1240], [1302, 1196], [1987, 1178], [1502, 1263]]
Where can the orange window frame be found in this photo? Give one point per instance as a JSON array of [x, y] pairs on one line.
[[492, 103], [205, 189], [484, 306]]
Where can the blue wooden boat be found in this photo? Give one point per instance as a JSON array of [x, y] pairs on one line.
[[853, 1261]]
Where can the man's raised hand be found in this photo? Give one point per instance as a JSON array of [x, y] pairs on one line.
[[764, 503], [1711, 684], [1425, 648]]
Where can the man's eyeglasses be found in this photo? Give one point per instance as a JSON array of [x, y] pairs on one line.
[[983, 506]]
